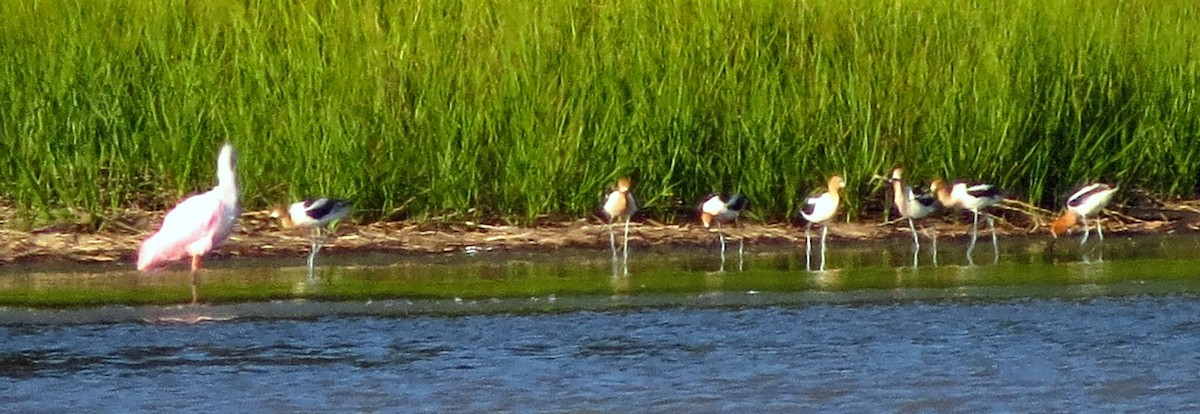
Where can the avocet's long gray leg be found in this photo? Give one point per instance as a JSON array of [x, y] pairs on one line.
[[612, 239], [935, 237], [721, 236], [824, 232], [974, 233], [995, 244], [913, 228], [741, 256], [1086, 230], [313, 248], [625, 248], [808, 247], [916, 241]]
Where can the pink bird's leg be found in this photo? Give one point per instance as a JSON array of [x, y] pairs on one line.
[[195, 291], [195, 268]]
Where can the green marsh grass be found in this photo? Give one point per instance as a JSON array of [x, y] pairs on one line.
[[521, 110]]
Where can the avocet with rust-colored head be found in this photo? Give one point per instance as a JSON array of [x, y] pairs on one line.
[[1086, 201], [620, 204], [820, 210], [720, 208], [315, 213], [912, 206], [975, 198]]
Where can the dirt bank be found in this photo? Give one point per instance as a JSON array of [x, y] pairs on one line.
[[259, 236]]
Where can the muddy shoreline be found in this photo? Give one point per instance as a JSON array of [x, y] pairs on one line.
[[259, 236]]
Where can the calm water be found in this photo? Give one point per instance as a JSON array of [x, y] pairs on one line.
[[1042, 330]]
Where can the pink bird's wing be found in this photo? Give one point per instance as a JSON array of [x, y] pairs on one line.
[[188, 229]]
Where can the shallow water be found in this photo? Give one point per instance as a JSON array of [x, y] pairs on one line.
[[1042, 330]]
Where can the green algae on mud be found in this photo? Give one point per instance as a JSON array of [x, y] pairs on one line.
[[1039, 267]]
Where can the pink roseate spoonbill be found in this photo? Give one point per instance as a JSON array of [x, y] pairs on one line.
[[1087, 200], [315, 213], [198, 224], [722, 208], [973, 197], [618, 204], [820, 210], [912, 206]]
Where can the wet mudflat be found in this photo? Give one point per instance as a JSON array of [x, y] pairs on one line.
[[1047, 327]]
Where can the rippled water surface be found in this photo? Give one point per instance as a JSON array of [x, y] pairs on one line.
[[1044, 329]]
